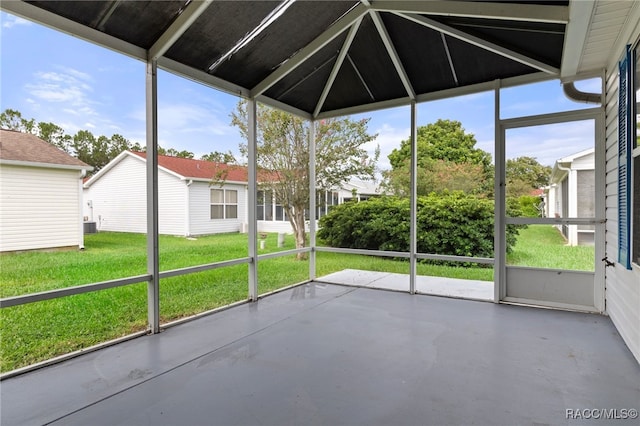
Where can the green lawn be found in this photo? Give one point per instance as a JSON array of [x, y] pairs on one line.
[[38, 331], [543, 246]]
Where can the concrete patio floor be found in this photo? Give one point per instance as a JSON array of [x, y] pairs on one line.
[[322, 354], [437, 286]]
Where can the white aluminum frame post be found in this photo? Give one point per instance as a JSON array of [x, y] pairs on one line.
[[312, 200], [413, 225], [153, 258], [499, 190], [252, 147]]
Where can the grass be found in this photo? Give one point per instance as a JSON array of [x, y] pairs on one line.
[[39, 331], [543, 246]]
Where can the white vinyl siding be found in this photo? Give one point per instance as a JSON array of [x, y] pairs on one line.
[[622, 285], [172, 201], [119, 200], [276, 226], [40, 208]]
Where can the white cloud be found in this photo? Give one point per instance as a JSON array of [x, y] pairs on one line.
[[67, 86], [193, 128], [12, 21], [527, 106], [549, 143], [182, 118], [388, 139]]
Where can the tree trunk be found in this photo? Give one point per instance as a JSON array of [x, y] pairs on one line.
[[296, 218]]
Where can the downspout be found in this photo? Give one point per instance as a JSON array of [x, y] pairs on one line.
[[187, 231], [571, 92], [83, 173]]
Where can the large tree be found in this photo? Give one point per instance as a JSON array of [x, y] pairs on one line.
[[447, 160], [220, 157], [283, 157], [172, 152], [55, 135], [84, 145], [98, 151], [12, 119], [524, 174]]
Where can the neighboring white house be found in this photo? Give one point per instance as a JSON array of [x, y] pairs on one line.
[[115, 197], [572, 194], [190, 200], [40, 194], [358, 190], [272, 217]]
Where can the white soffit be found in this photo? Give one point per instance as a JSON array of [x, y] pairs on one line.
[[593, 33]]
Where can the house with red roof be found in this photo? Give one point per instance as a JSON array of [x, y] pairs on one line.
[[195, 197], [40, 194]]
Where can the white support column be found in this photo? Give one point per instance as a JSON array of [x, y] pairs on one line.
[[252, 147], [312, 200], [600, 191], [499, 231], [573, 205], [153, 268], [413, 225]]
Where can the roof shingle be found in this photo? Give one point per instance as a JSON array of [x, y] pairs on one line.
[[18, 146], [200, 169]]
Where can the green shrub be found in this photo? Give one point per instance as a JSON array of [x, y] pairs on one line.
[[449, 224], [529, 205]]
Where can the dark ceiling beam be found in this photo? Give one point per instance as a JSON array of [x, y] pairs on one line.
[[104, 18], [201, 77], [307, 76], [338, 64], [451, 65], [393, 54], [488, 10], [179, 26], [434, 96], [310, 49], [484, 44], [359, 75]]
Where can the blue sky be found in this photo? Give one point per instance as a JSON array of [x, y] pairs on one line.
[[53, 77]]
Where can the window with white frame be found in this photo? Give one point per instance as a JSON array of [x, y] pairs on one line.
[[325, 201], [281, 213], [224, 204], [264, 205], [269, 207]]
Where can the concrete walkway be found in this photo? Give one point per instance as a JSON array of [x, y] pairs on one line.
[[437, 286]]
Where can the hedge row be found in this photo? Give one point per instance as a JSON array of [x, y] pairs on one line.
[[449, 224]]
